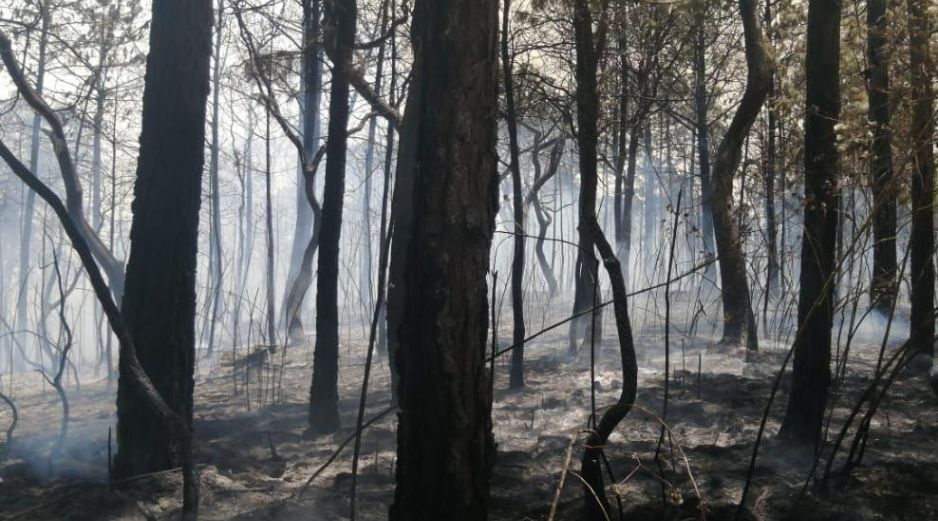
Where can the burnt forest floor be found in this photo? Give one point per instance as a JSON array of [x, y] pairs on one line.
[[254, 458]]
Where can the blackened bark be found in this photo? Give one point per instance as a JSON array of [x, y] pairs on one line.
[[590, 468], [543, 218], [811, 367], [445, 206], [923, 180], [159, 298], [628, 195], [587, 103], [340, 23], [621, 145], [738, 319], [770, 172], [516, 376], [701, 104], [883, 287]]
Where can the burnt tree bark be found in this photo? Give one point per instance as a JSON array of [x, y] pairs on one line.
[[159, 297], [738, 319], [923, 180], [772, 281], [701, 106], [516, 375], [590, 466], [588, 46], [339, 28], [811, 367], [445, 206], [883, 287]]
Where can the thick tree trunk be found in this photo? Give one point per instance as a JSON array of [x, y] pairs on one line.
[[738, 319], [340, 24], [159, 302], [446, 201], [811, 367], [923, 180], [884, 286]]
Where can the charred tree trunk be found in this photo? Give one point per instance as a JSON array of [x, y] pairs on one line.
[[701, 103], [301, 275], [629, 198], [159, 300], [883, 287], [770, 173], [811, 367], [590, 466], [587, 103], [621, 147], [738, 319], [543, 219], [340, 23], [516, 377], [923, 180], [444, 219]]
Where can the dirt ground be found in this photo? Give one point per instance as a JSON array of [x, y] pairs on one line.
[[254, 458]]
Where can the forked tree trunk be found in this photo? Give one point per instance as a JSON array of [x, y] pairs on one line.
[[301, 275], [445, 206]]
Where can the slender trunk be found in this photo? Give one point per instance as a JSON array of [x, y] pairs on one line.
[[923, 180], [770, 172], [587, 102], [301, 272], [305, 235], [340, 23], [884, 286], [738, 319], [597, 506], [543, 219], [383, 343], [516, 378], [269, 221], [366, 279], [812, 348], [701, 102], [216, 247], [621, 147], [30, 203]]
